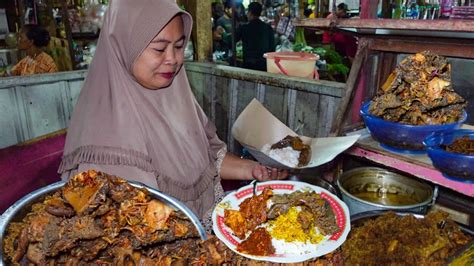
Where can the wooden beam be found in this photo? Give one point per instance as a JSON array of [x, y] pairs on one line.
[[392, 24], [463, 50], [351, 84]]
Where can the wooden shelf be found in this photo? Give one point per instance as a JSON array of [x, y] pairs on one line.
[[435, 28], [393, 24], [417, 165]]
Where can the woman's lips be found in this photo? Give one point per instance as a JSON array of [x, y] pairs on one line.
[[167, 75]]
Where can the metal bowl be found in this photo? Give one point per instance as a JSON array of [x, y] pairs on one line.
[[18, 210], [372, 188]]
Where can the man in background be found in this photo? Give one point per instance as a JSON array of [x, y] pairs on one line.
[[257, 38]]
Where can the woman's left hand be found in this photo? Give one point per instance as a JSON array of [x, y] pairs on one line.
[[264, 173]]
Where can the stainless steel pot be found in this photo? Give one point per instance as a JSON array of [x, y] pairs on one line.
[[18, 210], [371, 188]]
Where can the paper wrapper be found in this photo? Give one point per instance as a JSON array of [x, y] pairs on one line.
[[256, 126]]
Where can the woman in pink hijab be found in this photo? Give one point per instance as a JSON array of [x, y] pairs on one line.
[[137, 118]]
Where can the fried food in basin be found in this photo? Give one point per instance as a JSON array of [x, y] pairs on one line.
[[419, 92]]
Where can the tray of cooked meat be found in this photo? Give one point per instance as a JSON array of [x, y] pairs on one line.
[[97, 219], [404, 238]]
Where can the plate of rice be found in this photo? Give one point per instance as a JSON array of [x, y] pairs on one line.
[[302, 221]]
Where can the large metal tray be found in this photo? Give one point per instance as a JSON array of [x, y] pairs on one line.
[[358, 220], [19, 209]]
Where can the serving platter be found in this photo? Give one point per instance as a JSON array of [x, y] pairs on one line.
[[292, 252], [19, 209]]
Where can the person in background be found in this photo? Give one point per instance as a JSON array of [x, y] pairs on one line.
[[217, 11], [221, 40], [137, 118], [344, 44], [225, 20], [257, 38], [32, 39]]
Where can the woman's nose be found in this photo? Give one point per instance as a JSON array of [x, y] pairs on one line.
[[171, 57]]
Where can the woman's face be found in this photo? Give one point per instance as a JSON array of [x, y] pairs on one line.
[[158, 64], [23, 42]]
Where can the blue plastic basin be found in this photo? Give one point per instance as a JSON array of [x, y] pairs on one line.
[[400, 137], [453, 165]]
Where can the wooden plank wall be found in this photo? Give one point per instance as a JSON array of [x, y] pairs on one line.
[[37, 105], [308, 107]]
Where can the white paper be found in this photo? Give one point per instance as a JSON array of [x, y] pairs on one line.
[[256, 126]]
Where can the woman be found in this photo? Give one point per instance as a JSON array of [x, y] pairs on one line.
[[32, 39], [137, 118]]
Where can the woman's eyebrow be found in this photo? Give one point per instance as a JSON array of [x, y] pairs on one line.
[[167, 41]]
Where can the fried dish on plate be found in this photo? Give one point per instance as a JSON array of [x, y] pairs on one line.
[[252, 212], [290, 151], [258, 243], [300, 218], [391, 239], [419, 92]]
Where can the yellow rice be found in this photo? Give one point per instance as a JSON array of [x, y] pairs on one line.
[[286, 227]]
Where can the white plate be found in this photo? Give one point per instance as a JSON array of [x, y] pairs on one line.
[[329, 244]]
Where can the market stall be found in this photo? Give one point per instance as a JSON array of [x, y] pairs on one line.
[[343, 177]]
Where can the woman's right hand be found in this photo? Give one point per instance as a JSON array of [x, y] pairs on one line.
[[265, 173]]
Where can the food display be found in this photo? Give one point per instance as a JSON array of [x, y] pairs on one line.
[[419, 92], [462, 145], [290, 151], [98, 219], [392, 239], [283, 221]]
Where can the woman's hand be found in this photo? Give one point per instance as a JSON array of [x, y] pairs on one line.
[[235, 168], [264, 173]]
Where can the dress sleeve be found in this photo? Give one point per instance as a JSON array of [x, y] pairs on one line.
[[218, 148]]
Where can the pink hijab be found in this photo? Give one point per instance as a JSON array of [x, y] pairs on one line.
[[118, 122]]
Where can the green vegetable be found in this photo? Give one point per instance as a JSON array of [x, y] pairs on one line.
[[298, 47], [299, 36], [333, 57], [338, 68]]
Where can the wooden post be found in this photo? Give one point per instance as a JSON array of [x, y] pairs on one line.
[[351, 84], [368, 8], [202, 27], [67, 26], [300, 9], [386, 9]]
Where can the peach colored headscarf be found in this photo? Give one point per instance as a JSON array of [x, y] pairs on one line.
[[118, 122]]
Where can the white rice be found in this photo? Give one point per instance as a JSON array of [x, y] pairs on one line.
[[297, 248], [286, 156]]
